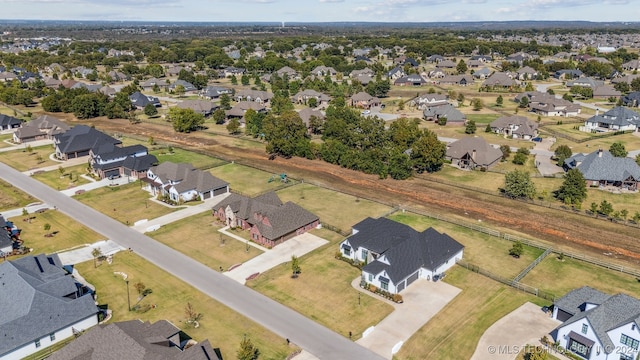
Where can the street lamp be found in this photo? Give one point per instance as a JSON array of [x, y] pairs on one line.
[[128, 298]]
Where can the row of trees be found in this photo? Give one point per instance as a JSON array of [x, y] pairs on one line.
[[85, 104]]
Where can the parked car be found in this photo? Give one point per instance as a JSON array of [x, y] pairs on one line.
[[537, 139], [366, 112]]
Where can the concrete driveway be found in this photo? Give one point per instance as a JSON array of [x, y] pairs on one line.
[[543, 153], [422, 300], [72, 257], [525, 325], [280, 254]]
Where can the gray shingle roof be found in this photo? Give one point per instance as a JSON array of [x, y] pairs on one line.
[[134, 340], [445, 110], [8, 121], [485, 153], [5, 238], [140, 163], [187, 177], [523, 124], [574, 300], [83, 138], [33, 303], [600, 165]]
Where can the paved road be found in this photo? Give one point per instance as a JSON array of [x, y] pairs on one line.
[[316, 339]]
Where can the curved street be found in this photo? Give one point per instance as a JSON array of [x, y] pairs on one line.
[[312, 337]]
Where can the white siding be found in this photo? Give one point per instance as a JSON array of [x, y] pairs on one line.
[[615, 334], [563, 338]]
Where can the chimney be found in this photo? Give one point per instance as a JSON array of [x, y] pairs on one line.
[[473, 155], [600, 153], [597, 112]]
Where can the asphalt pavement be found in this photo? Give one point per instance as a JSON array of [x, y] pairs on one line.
[[309, 335]]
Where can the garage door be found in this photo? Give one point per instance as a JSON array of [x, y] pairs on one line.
[[400, 286], [220, 191], [412, 278], [110, 173], [207, 194]]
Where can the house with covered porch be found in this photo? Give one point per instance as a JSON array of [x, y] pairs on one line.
[[395, 255], [181, 182], [602, 169]]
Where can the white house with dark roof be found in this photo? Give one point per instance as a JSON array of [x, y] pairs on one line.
[[617, 119], [425, 100], [110, 160], [598, 326], [600, 168], [182, 182], [40, 304], [9, 122], [6, 242], [396, 255]]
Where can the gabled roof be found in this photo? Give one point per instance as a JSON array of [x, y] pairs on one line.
[[10, 121], [200, 106], [524, 125], [306, 114], [134, 340], [141, 100], [83, 138], [109, 151], [619, 115], [254, 94], [446, 110], [186, 177], [485, 153], [573, 302], [185, 84], [140, 163], [34, 301], [5, 239], [600, 165], [499, 79], [362, 96]]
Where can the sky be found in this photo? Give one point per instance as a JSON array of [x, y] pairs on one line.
[[322, 10]]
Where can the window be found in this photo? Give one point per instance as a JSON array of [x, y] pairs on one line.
[[52, 336], [579, 348], [365, 254], [629, 341], [370, 277], [384, 285], [347, 251], [625, 357], [37, 343], [585, 327]]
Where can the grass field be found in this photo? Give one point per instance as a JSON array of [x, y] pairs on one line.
[[126, 203], [70, 233], [178, 155], [321, 202], [56, 180], [12, 198], [3, 138], [488, 252], [22, 160], [559, 277], [247, 180], [323, 292], [198, 238], [454, 332], [483, 119], [223, 327]]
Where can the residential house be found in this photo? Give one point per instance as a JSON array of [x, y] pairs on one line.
[[302, 97], [617, 119], [365, 71], [606, 92], [625, 79], [174, 70], [483, 58], [473, 152], [108, 90], [568, 74], [363, 100], [232, 71], [238, 110], [269, 221], [516, 127], [500, 80], [258, 96], [188, 87], [600, 168], [448, 111], [52, 83], [395, 255], [552, 106], [181, 182], [435, 58], [427, 100], [6, 242], [214, 92], [307, 113], [79, 140], [586, 82], [527, 73], [437, 73], [447, 64], [109, 160], [632, 99], [41, 128], [631, 65], [396, 73], [8, 76], [410, 80], [403, 60], [323, 71], [363, 79], [288, 72], [140, 100], [136, 340], [598, 326], [203, 107], [460, 80], [41, 304], [482, 73], [9, 122], [474, 64], [117, 75], [152, 83]]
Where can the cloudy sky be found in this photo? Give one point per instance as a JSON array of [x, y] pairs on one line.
[[322, 10]]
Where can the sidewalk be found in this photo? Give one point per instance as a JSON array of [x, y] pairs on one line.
[[31, 208], [64, 164], [72, 257], [96, 184], [22, 146]]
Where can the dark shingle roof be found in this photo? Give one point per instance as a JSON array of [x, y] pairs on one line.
[[33, 303], [8, 121], [600, 165], [485, 153], [140, 163], [5, 239], [83, 138]]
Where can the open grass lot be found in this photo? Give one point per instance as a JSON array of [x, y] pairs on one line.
[[457, 132], [454, 332], [559, 277], [12, 198], [321, 202], [178, 155], [223, 327], [630, 141], [22, 160], [126, 203], [323, 292], [4, 138], [482, 118], [198, 238], [629, 201], [56, 180], [247, 180], [70, 233], [488, 252]]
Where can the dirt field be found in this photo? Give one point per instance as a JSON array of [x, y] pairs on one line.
[[561, 228]]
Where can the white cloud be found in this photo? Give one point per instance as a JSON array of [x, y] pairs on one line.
[[331, 1]]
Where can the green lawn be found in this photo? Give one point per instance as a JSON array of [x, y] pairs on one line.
[[12, 198], [482, 119], [198, 238], [4, 137], [323, 292], [321, 202], [247, 180], [178, 155], [126, 203], [454, 332], [70, 233], [57, 180], [488, 252], [22, 160], [223, 327]]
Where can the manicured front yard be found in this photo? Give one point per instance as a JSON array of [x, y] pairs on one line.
[[247, 180], [60, 181], [198, 238], [127, 203], [223, 327], [23, 160], [13, 198], [454, 332], [177, 155], [69, 232], [323, 291], [322, 202]]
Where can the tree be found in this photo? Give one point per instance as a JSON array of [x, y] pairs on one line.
[[460, 98], [253, 122], [594, 209], [179, 90], [624, 213], [573, 189], [477, 104], [192, 315], [62, 170], [427, 152], [139, 286], [516, 249], [499, 101], [524, 102], [225, 102], [506, 151], [234, 126], [461, 68], [521, 156], [636, 217], [295, 266], [286, 135], [47, 227], [605, 208], [234, 80], [247, 350], [442, 120], [96, 253], [617, 149], [219, 116], [29, 149], [244, 80], [488, 128], [562, 153], [518, 184], [150, 110], [638, 159], [185, 120], [470, 128]]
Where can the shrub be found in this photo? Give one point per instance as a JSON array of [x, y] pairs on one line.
[[397, 298], [373, 288]]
